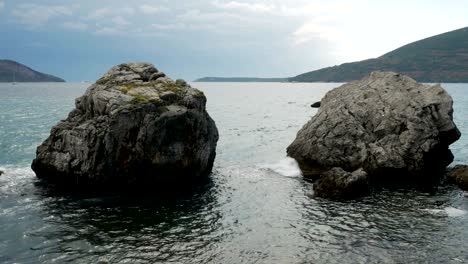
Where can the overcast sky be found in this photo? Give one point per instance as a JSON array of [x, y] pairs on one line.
[[80, 40]]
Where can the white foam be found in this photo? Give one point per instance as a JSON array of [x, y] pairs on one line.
[[448, 211], [435, 211], [13, 177], [286, 167], [454, 212]]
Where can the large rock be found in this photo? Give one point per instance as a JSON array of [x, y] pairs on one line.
[[396, 130], [134, 126]]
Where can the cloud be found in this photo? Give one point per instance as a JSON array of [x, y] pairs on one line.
[[78, 26], [112, 21], [105, 12], [168, 26], [259, 8], [149, 9], [35, 16], [2, 5], [108, 31], [120, 21], [318, 8], [324, 21]]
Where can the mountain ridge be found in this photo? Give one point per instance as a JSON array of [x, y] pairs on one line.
[[440, 58]]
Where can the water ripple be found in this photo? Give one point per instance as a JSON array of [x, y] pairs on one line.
[[255, 208]]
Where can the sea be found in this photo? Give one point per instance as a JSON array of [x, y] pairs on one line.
[[254, 208]]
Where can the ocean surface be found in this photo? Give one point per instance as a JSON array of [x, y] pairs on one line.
[[256, 208]]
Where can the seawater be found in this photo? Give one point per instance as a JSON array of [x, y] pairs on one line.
[[256, 208]]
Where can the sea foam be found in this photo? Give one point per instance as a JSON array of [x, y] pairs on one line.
[[287, 167], [449, 211]]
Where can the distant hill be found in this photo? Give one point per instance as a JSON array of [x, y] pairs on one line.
[[240, 79], [12, 70], [441, 58]]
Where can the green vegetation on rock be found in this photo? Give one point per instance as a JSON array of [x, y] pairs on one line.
[[138, 98]]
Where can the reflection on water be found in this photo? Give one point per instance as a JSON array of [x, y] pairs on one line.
[[255, 208], [133, 228]]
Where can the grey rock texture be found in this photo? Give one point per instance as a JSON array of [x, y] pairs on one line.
[[134, 126], [397, 130], [459, 176]]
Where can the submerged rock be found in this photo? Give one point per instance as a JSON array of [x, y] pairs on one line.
[[134, 126], [397, 130], [340, 184], [459, 176]]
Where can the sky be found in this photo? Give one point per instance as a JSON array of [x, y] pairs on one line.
[[81, 40]]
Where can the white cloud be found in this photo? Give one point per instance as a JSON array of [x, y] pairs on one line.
[[211, 18], [169, 26], [105, 12], [311, 30], [35, 16], [120, 21], [149, 9], [99, 13], [78, 26], [112, 21], [252, 7], [316, 8], [365, 29], [2, 5], [108, 31]]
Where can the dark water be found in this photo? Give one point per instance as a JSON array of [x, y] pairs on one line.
[[255, 208]]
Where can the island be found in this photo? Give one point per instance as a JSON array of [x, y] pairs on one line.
[[12, 71]]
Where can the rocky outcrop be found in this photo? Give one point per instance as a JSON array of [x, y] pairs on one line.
[[396, 130], [459, 176], [134, 126]]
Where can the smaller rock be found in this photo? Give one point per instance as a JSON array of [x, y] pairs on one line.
[[1, 172], [338, 184], [316, 105], [156, 76], [144, 70], [459, 176], [165, 80], [169, 96], [181, 82]]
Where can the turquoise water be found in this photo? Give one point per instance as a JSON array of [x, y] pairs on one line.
[[255, 208]]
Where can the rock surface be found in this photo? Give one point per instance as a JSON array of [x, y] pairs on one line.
[[397, 130], [459, 175], [134, 126]]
